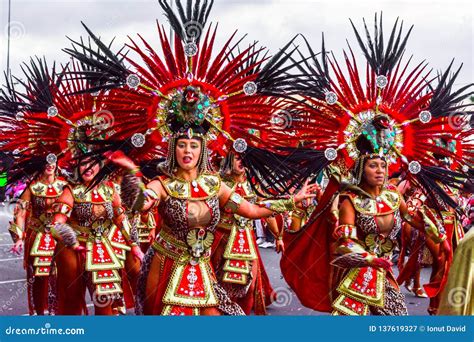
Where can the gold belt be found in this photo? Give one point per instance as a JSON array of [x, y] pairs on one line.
[[173, 248], [379, 245], [98, 228]]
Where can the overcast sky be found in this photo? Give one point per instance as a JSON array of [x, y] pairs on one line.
[[442, 29]]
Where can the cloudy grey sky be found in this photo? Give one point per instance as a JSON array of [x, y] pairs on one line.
[[443, 29]]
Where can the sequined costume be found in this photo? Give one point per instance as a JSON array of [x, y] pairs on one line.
[[38, 242], [96, 221], [387, 113], [236, 258], [174, 281], [361, 288]]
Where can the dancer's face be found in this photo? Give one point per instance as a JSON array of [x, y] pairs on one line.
[[374, 172], [50, 169], [87, 172], [188, 152], [238, 166]]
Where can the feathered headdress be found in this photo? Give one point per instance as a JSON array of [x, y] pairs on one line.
[[392, 110], [228, 97]]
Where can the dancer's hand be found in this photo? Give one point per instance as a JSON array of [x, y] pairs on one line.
[[307, 191], [381, 263], [137, 253], [17, 247], [120, 159], [279, 246]]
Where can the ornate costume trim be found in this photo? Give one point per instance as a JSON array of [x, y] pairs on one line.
[[103, 194], [191, 284], [233, 203], [100, 256], [237, 266], [15, 231], [240, 245], [386, 203], [244, 188], [173, 310], [345, 231], [235, 278], [62, 208], [106, 276], [279, 205], [43, 245], [203, 187], [365, 284], [349, 306], [52, 190]]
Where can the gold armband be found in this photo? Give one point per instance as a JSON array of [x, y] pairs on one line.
[[15, 231], [298, 213], [279, 205], [234, 202], [345, 231], [62, 208]]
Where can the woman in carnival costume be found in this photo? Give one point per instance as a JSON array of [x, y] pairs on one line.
[[362, 135], [190, 106]]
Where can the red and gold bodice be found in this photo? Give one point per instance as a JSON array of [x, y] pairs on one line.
[[378, 220], [43, 195], [190, 205], [94, 205]]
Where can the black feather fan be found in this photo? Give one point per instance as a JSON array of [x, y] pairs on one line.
[[188, 24], [383, 59]]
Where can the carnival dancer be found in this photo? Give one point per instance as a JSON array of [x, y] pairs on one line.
[[93, 236], [413, 241], [32, 228], [362, 134], [449, 215], [52, 120], [25, 136], [188, 103], [235, 255]]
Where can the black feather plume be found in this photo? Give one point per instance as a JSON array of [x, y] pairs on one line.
[[40, 85], [269, 170], [188, 24], [274, 78], [101, 67], [446, 102], [383, 59], [429, 179], [10, 101], [313, 73]]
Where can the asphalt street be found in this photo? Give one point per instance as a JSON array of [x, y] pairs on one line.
[[13, 295]]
